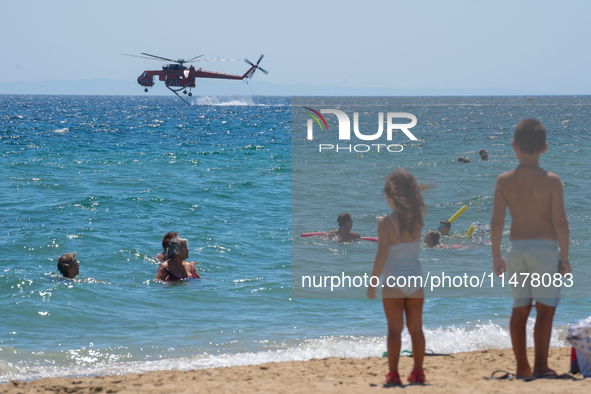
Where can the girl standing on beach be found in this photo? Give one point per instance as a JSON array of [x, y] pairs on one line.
[[397, 261]]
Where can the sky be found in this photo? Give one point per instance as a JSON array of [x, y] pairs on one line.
[[527, 46]]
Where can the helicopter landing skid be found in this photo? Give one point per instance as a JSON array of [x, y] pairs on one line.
[[179, 96]]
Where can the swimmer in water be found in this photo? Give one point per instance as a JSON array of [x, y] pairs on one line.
[[432, 239], [68, 265], [175, 267], [344, 232], [483, 154], [444, 227], [165, 243]]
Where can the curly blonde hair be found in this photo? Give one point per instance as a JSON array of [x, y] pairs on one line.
[[404, 190]]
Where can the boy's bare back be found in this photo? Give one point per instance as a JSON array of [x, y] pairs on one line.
[[538, 220], [535, 202]]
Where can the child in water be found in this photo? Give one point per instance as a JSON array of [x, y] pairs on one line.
[[398, 256], [432, 239], [444, 227], [344, 233]]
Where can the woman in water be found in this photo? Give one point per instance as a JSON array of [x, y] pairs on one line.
[[175, 268], [397, 261]]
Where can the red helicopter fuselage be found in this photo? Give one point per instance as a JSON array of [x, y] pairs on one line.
[[177, 76]]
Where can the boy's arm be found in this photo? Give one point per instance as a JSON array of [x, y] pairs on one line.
[[330, 234], [381, 256], [497, 223], [560, 223]]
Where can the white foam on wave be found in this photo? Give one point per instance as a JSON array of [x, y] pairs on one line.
[[480, 336], [61, 131], [451, 339], [225, 100]]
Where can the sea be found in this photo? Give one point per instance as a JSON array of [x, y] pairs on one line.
[[107, 176]]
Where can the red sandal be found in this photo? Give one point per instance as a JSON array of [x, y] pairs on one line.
[[393, 378], [416, 377]]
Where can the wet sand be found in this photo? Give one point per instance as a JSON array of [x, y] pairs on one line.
[[457, 373]]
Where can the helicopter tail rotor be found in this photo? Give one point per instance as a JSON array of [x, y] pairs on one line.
[[256, 67]]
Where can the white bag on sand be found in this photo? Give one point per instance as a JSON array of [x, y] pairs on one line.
[[579, 336]]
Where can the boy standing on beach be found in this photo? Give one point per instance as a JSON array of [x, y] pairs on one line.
[[538, 227]]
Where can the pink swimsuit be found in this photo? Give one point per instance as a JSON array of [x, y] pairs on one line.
[[172, 276]]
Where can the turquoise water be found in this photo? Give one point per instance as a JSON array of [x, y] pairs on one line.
[[108, 176]]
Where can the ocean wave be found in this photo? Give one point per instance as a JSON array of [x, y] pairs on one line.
[[22, 365]]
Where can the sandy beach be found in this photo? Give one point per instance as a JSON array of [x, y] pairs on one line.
[[457, 373]]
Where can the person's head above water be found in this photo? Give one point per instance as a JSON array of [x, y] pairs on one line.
[[68, 265], [167, 237], [444, 227], [344, 233], [483, 154], [530, 137], [404, 197], [432, 238], [178, 248], [345, 218]]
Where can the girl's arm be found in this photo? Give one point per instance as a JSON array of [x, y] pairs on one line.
[[381, 255]]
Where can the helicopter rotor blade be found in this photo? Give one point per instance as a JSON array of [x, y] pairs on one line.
[[193, 58], [214, 59], [263, 70], [141, 57], [249, 62], [158, 57], [260, 58]]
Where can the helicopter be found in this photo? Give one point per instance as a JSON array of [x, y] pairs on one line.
[[178, 77]]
